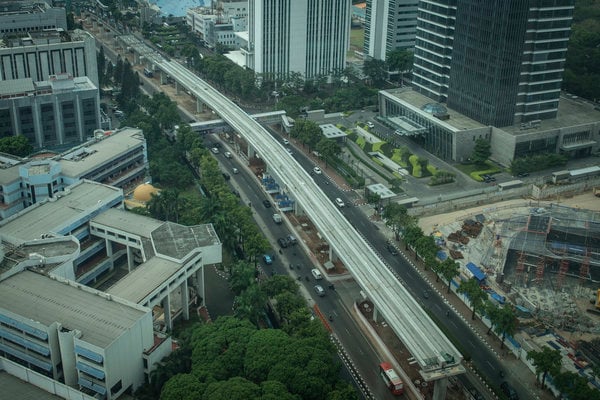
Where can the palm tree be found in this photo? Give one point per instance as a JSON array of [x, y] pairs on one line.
[[449, 269], [475, 294], [545, 361], [505, 322]]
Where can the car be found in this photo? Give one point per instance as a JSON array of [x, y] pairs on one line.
[[283, 242], [235, 170], [214, 150], [392, 249], [370, 124], [267, 259], [319, 290], [425, 294], [523, 175], [317, 170], [227, 154], [291, 239], [226, 176], [508, 390], [286, 142], [267, 203], [339, 202], [289, 151]]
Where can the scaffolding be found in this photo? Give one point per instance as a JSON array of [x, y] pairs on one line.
[[562, 272], [539, 270], [584, 269], [520, 266]]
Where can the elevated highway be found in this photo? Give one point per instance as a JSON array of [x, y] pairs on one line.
[[436, 355]]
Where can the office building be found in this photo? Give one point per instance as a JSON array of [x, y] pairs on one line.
[[40, 54], [87, 290], [50, 113], [497, 62], [389, 25], [309, 37], [27, 16], [117, 158]]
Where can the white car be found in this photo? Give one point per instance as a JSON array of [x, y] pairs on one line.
[[339, 202], [227, 154], [317, 170], [215, 150], [286, 142], [320, 291], [289, 151], [370, 124]]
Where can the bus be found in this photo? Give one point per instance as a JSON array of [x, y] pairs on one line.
[[391, 379]]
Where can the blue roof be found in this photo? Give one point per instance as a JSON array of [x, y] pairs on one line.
[[442, 255], [477, 273]]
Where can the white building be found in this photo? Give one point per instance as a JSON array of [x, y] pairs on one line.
[[389, 25], [87, 290], [26, 16], [117, 158], [38, 55], [307, 37], [219, 26], [57, 111]]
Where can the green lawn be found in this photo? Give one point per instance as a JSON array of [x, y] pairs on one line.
[[357, 37]]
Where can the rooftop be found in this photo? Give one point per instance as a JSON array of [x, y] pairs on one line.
[[128, 222], [52, 216], [145, 279], [331, 131], [177, 241], [22, 390], [456, 122], [46, 300]]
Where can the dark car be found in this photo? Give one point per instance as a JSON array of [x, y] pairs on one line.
[[283, 242], [267, 203], [508, 390], [226, 176], [392, 249], [523, 175]]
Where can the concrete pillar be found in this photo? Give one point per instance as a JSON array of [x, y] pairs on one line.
[[60, 125], [200, 286], [166, 305], [176, 87], [375, 313], [163, 78], [109, 253], [199, 105], [439, 389], [130, 265], [185, 299]]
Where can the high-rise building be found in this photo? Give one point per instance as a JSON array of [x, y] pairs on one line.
[[389, 25], [309, 37], [499, 62]]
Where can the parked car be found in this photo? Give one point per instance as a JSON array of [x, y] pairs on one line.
[[267, 259], [370, 124], [214, 150], [267, 203]]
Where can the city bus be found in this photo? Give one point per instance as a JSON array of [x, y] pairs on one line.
[[391, 378]]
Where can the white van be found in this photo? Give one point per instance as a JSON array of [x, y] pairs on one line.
[[316, 274], [339, 202]]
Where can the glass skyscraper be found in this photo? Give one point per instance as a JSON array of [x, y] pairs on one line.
[[499, 62]]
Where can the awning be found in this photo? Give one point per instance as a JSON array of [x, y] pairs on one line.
[[477, 273]]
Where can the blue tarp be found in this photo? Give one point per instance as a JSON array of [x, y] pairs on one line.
[[498, 298], [442, 255], [477, 273]]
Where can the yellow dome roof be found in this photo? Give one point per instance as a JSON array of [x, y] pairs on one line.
[[144, 192]]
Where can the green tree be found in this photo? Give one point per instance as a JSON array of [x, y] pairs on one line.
[[182, 387], [545, 361], [475, 294], [375, 70], [400, 60], [236, 388], [504, 322], [251, 304], [397, 218], [449, 270], [243, 275], [279, 284], [481, 152], [412, 234], [328, 149], [16, 145], [308, 132]]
